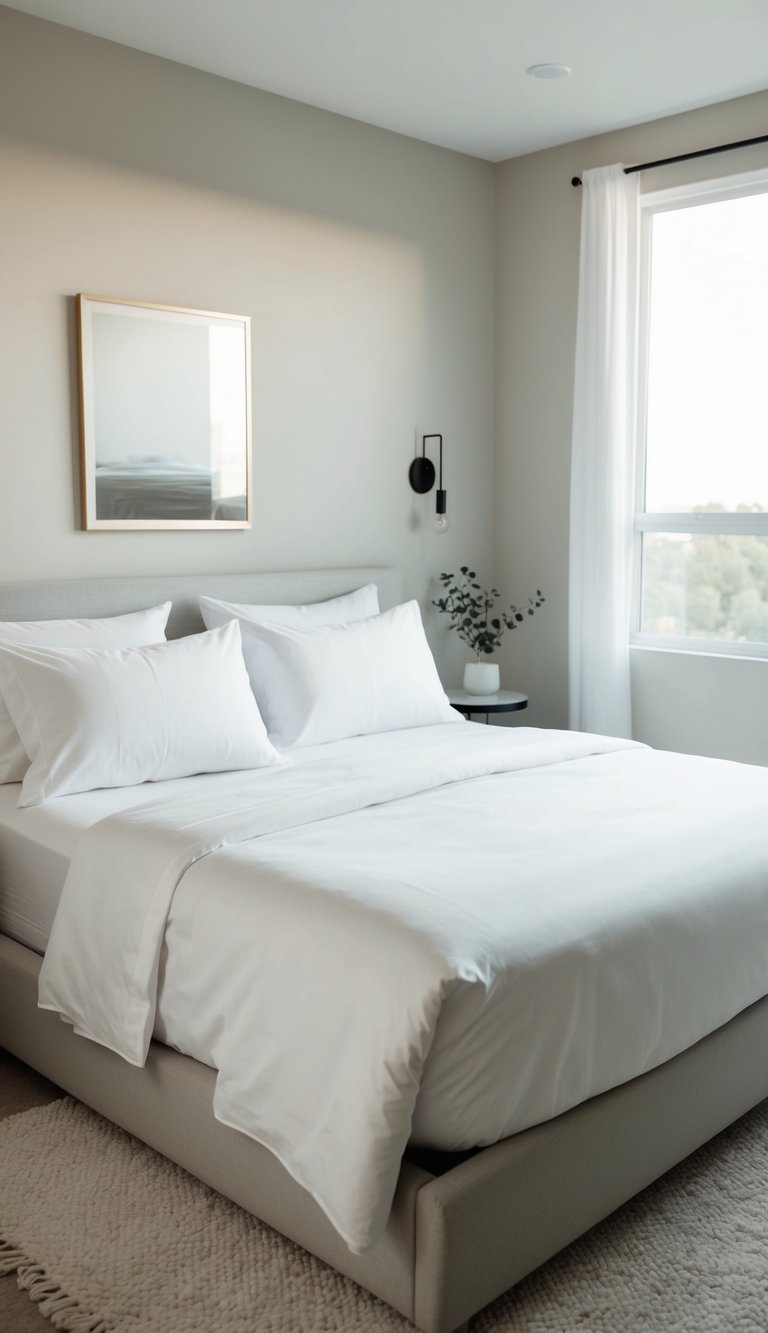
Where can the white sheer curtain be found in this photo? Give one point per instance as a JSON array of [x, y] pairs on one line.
[[602, 470]]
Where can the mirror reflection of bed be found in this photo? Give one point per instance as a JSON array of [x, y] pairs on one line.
[[165, 415], [157, 487]]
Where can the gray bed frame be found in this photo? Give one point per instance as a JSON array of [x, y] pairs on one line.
[[463, 1231]]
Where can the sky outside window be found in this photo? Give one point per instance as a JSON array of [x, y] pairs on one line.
[[707, 425]]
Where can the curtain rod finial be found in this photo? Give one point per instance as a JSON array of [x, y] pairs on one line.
[[575, 180]]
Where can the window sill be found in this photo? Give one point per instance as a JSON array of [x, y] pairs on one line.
[[752, 652]]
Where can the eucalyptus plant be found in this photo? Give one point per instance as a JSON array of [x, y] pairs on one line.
[[469, 606]]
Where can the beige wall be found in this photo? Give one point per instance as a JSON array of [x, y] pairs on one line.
[[365, 260], [688, 702]]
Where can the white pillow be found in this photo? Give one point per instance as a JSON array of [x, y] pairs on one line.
[[345, 680], [129, 631], [358, 605], [112, 717]]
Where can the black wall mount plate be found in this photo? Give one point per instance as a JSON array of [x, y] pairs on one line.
[[421, 475]]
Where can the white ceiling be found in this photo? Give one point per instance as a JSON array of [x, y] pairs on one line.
[[452, 72]]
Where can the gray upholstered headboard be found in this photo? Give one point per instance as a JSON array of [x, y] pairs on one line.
[[67, 598]]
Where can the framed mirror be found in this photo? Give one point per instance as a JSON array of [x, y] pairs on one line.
[[165, 416]]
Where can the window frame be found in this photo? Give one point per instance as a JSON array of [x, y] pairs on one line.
[[671, 199]]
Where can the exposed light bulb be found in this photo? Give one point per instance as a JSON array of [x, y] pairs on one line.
[[440, 520]]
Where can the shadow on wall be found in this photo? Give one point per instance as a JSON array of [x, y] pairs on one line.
[[68, 90]]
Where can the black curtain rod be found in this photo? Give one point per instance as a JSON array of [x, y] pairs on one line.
[[687, 157]]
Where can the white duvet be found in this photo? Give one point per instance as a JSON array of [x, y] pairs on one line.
[[444, 935]]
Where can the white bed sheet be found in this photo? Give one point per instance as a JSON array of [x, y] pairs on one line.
[[36, 844], [35, 850], [36, 847]]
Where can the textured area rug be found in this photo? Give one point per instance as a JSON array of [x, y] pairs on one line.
[[107, 1235]]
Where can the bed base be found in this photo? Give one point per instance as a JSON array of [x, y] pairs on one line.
[[455, 1240]]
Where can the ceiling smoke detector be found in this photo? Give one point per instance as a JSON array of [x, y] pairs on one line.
[[548, 71]]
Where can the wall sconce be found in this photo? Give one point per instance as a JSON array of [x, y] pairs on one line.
[[421, 475]]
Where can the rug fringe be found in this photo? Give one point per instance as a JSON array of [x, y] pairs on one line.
[[10, 1258], [53, 1303]]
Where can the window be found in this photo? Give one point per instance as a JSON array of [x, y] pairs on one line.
[[701, 531]]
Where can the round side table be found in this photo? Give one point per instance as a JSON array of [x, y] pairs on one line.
[[504, 701]]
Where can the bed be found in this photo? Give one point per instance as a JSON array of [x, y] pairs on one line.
[[154, 488], [465, 1224]]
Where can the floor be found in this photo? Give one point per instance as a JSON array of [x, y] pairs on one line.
[[20, 1089]]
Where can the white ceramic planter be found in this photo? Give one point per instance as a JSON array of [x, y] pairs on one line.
[[481, 678]]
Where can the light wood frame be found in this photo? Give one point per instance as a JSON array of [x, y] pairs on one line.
[[89, 519]]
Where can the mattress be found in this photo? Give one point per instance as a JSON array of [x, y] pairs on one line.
[[35, 850]]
